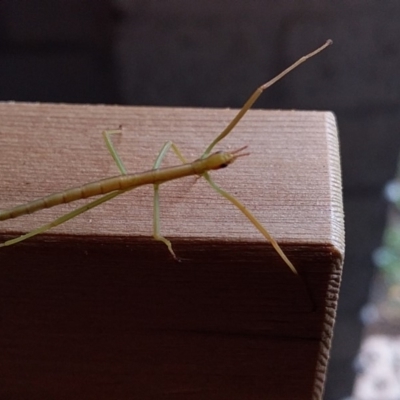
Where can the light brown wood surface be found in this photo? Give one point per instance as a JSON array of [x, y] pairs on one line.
[[96, 309]]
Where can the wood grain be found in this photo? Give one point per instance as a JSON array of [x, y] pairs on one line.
[[96, 309]]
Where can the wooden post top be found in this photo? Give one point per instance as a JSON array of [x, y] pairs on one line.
[[230, 309], [291, 180]]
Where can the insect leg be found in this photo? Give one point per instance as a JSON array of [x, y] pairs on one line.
[[156, 213], [252, 99], [252, 219], [112, 150], [265, 233], [80, 210], [156, 208], [64, 218]]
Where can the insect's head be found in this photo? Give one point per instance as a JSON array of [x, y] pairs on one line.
[[221, 159]]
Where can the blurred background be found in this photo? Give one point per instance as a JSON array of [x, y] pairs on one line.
[[214, 54]]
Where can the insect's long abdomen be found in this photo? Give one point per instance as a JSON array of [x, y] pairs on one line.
[[124, 182]]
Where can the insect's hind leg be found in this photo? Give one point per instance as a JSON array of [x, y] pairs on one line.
[[156, 208], [63, 218], [112, 150], [80, 210]]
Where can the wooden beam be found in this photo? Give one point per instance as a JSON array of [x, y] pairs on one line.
[[97, 308]]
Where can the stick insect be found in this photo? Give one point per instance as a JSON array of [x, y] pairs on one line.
[[112, 187]]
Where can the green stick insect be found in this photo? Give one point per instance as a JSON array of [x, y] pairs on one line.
[[112, 187]]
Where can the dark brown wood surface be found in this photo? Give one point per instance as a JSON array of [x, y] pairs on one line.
[[96, 309]]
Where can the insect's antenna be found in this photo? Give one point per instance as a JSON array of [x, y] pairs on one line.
[[249, 103], [238, 152]]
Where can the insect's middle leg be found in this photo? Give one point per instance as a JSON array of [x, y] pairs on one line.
[[156, 210]]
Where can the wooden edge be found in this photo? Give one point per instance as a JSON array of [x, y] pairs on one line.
[[291, 182]]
